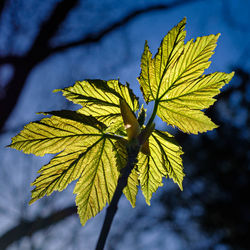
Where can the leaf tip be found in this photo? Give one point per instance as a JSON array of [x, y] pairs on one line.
[[231, 75], [218, 35], [32, 200], [180, 186], [56, 90], [184, 20]]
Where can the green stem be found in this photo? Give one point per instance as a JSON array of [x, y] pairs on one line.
[[153, 114]]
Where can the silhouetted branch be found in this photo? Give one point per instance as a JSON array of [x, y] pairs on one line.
[[2, 5], [94, 37], [28, 228], [50, 27], [9, 60], [37, 53]]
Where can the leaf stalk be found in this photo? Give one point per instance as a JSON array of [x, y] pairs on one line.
[[151, 120]]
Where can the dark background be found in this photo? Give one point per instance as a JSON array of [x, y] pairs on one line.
[[52, 43]]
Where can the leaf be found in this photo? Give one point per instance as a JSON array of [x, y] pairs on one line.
[[85, 153], [98, 180], [164, 161], [101, 99], [154, 70], [131, 189], [54, 134], [182, 106], [173, 78]]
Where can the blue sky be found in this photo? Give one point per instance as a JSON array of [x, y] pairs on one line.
[[116, 56]]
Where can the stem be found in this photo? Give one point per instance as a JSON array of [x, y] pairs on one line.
[[133, 151], [153, 114]]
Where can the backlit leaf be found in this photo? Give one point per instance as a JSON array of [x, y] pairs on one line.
[[86, 153], [153, 71], [98, 180], [54, 134], [173, 78], [101, 99], [164, 161]]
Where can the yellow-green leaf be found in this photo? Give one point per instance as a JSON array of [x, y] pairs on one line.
[[173, 78], [86, 152], [61, 170], [131, 189], [181, 106], [98, 180], [101, 99], [54, 134], [153, 71], [164, 161], [192, 62]]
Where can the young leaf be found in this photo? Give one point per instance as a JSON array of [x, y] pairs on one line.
[[98, 180], [101, 99], [132, 126], [86, 153], [164, 161], [130, 122], [181, 107], [131, 189], [52, 135], [173, 79], [154, 70]]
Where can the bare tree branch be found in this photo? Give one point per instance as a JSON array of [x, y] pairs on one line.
[[9, 59], [37, 53], [2, 5], [28, 228], [50, 27], [95, 37]]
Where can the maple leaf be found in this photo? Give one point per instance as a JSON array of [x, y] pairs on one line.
[[86, 152], [174, 80], [101, 99], [164, 161]]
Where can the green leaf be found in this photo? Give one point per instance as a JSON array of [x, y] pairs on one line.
[[131, 189], [101, 99], [54, 134], [98, 180], [86, 153], [184, 102], [153, 71], [173, 78], [164, 161]]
